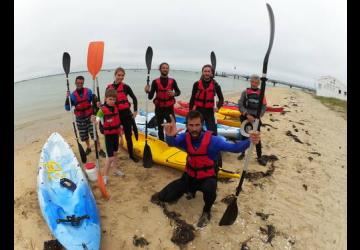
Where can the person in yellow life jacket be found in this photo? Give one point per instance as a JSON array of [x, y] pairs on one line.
[[248, 105], [82, 99], [123, 105], [166, 89], [203, 97], [108, 115], [203, 149]]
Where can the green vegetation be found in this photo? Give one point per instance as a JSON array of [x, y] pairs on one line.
[[333, 103]]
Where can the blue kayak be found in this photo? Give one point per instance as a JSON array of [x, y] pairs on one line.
[[66, 201], [223, 130]]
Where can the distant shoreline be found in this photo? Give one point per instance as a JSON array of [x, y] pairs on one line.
[[81, 71]]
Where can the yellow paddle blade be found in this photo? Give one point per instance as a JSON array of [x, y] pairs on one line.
[[95, 57]]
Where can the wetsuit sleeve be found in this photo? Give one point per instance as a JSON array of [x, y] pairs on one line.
[[152, 90], [132, 95], [67, 104], [90, 96], [176, 141], [176, 88], [219, 144], [193, 93], [219, 94], [242, 102]]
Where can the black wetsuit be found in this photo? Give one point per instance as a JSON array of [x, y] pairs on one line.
[[127, 120]]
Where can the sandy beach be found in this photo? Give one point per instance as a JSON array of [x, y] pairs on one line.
[[305, 195]]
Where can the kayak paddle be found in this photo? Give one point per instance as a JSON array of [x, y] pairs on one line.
[[94, 63], [147, 159], [231, 211], [66, 66], [213, 64]]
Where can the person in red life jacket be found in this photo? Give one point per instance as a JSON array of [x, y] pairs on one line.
[[200, 175], [82, 99], [108, 115], [248, 105], [203, 97], [166, 89], [123, 105]]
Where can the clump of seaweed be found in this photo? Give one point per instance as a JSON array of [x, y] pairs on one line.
[[288, 133], [258, 175], [140, 241], [52, 245], [263, 216], [183, 232], [270, 232]]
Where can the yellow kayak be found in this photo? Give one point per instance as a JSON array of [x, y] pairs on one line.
[[165, 155], [229, 112], [227, 120]]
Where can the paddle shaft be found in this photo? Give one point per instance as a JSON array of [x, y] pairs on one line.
[[95, 135], [73, 115], [262, 94], [146, 107]]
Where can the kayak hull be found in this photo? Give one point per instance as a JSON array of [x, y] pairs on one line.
[[57, 161]]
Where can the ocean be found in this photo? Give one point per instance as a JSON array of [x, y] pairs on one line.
[[43, 98]]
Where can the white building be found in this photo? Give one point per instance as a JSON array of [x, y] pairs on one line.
[[329, 86]]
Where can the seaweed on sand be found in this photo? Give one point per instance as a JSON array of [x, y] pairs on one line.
[[183, 232], [140, 241]]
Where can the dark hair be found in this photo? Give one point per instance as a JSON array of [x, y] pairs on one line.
[[111, 93], [207, 66], [194, 114], [119, 69], [79, 78], [161, 64]]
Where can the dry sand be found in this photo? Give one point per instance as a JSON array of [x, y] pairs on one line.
[[307, 196]]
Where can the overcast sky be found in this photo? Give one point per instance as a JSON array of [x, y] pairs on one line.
[[310, 36]]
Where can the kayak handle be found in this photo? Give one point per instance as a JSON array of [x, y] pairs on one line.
[[67, 183], [75, 221]]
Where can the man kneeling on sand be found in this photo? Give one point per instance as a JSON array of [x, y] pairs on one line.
[[202, 148]]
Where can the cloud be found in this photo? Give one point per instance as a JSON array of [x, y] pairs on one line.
[[310, 40]]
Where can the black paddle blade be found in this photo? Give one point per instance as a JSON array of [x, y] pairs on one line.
[[271, 41], [82, 153], [135, 129], [213, 60], [148, 58], [66, 63], [147, 159], [230, 214]]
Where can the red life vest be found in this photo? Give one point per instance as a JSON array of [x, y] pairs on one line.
[[83, 106], [198, 164], [111, 123], [162, 99], [204, 98], [252, 99], [121, 100]]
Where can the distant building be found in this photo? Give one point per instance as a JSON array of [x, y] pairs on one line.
[[329, 86]]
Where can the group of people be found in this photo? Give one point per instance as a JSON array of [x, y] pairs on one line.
[[115, 117]]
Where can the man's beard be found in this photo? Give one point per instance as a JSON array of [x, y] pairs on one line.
[[195, 134]]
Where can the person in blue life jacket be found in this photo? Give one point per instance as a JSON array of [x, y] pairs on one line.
[[203, 149], [82, 99], [248, 105]]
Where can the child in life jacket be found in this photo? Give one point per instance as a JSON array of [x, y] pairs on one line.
[[108, 115]]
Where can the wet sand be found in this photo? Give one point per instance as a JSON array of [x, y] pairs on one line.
[[305, 195]]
